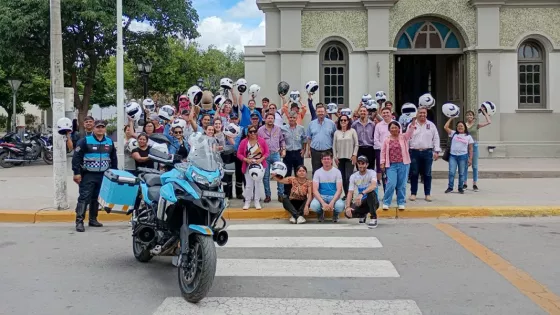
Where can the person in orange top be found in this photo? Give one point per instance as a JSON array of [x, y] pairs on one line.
[[299, 109]]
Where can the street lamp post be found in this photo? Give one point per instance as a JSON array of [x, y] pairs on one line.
[[14, 84], [144, 68], [200, 83]]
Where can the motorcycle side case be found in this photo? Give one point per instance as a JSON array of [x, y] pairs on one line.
[[118, 190]]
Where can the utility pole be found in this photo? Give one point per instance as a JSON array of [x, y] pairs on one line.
[[120, 87], [57, 105]]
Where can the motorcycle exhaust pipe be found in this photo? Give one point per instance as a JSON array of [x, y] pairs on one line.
[[146, 234], [14, 160], [221, 238]]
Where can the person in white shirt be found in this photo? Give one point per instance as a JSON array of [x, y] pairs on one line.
[[327, 189], [278, 120], [364, 184], [424, 150], [461, 153]]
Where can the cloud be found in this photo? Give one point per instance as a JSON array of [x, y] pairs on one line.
[[245, 9], [217, 32], [136, 26]]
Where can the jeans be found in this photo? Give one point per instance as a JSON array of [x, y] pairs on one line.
[[460, 162], [397, 175], [421, 164], [315, 205], [474, 165], [273, 157], [346, 169], [292, 160]]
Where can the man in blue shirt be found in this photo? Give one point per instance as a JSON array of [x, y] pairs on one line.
[[247, 111], [320, 134]]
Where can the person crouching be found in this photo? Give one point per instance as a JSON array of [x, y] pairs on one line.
[[364, 182]]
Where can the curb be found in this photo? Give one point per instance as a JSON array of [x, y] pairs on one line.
[[52, 216]]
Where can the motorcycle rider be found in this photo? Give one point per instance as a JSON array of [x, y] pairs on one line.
[[92, 157]]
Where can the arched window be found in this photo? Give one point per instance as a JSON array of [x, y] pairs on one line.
[[530, 61], [334, 73], [428, 35]]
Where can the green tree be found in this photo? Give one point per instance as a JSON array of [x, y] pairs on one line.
[[89, 35]]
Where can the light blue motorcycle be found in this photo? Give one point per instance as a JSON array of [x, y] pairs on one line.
[[180, 214]]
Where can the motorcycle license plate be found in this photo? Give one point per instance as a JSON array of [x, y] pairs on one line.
[[213, 194]]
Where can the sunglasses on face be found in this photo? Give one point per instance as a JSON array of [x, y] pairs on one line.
[[178, 132], [252, 131], [343, 120]]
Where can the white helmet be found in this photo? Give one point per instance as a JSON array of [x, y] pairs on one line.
[[132, 144], [450, 110], [409, 109], [371, 105], [489, 107], [232, 130], [226, 83], [63, 125], [194, 94], [380, 96], [133, 110], [178, 122], [254, 90], [366, 98], [294, 96], [256, 171], [149, 104], [311, 87], [219, 100], [166, 111], [346, 111], [332, 108], [427, 100], [241, 85], [279, 169]]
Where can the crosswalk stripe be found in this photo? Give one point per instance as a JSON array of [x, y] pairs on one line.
[[298, 242], [260, 227], [280, 306], [305, 268]]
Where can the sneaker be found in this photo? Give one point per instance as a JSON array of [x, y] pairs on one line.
[[300, 220], [335, 217], [246, 205], [293, 220], [475, 188], [412, 198], [461, 191], [258, 205], [321, 217], [465, 186], [385, 207], [448, 190], [372, 224], [363, 220], [401, 207]]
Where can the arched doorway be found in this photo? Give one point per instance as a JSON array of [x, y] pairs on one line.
[[430, 59]]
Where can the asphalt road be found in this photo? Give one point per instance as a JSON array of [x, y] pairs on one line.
[[402, 267]]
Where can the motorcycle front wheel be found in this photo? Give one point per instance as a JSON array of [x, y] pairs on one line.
[[4, 164], [196, 275], [140, 253], [48, 157]]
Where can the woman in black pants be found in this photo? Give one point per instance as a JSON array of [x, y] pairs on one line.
[[300, 195]]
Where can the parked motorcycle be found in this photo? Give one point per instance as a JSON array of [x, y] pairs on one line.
[[180, 214], [15, 152]]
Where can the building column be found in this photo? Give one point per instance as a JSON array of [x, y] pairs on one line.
[[290, 46], [272, 58], [488, 71], [379, 49]]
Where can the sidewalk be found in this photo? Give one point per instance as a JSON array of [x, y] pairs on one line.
[[26, 190]]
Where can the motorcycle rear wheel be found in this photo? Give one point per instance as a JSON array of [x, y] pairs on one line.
[[197, 275], [140, 253], [4, 164]]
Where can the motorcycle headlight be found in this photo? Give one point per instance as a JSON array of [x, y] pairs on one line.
[[199, 178]]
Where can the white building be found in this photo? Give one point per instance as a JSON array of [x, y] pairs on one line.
[[462, 51]]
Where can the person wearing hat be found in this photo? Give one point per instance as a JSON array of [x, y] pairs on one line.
[[159, 128], [364, 183], [295, 107], [92, 157], [184, 103]]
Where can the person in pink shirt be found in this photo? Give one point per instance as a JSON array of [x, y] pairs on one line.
[[184, 103], [395, 161], [252, 150], [380, 134]]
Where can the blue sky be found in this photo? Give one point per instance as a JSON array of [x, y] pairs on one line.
[[229, 22]]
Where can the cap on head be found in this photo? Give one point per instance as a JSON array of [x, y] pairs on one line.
[[154, 116], [88, 118], [100, 122], [292, 114], [363, 158], [254, 115]]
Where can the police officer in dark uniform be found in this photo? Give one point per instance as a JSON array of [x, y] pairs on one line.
[[92, 157]]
